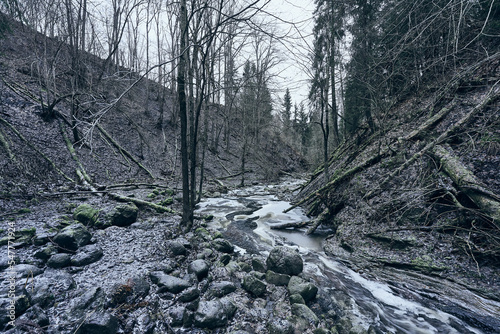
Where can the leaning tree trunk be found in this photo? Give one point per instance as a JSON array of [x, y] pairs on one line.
[[468, 183]]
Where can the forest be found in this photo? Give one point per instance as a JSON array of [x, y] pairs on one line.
[[123, 122]]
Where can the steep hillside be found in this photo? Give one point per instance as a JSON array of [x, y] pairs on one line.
[[108, 128], [422, 193]]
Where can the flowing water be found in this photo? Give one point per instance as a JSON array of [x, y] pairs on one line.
[[397, 303]]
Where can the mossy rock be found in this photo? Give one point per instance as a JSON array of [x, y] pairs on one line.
[[167, 201], [86, 214], [123, 215]]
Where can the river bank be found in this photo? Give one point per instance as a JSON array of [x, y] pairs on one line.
[[129, 270]]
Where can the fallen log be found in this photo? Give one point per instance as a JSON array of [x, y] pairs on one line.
[[468, 183], [140, 202], [290, 225]]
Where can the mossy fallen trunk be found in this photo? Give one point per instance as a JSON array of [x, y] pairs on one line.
[[467, 182]]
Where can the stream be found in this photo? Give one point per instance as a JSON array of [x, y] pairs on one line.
[[398, 302]]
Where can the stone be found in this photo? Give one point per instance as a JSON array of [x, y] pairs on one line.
[[48, 287], [177, 315], [299, 286], [254, 285], [123, 215], [167, 283], [86, 214], [26, 270], [87, 255], [45, 253], [304, 312], [220, 289], [259, 264], [214, 313], [99, 323], [200, 268], [72, 237], [60, 260], [296, 299], [224, 246], [189, 295], [88, 297], [284, 260], [42, 238], [177, 248], [277, 279], [280, 326], [36, 315]]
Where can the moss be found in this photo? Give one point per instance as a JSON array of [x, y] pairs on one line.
[[208, 218], [167, 192], [151, 195], [86, 214], [24, 210], [167, 201]]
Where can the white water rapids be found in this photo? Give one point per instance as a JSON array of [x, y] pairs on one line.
[[399, 307]]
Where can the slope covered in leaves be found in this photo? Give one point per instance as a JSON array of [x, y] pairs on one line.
[[422, 193], [116, 127]]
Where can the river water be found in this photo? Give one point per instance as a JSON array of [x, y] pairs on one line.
[[398, 302]]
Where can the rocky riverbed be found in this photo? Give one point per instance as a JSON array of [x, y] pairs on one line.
[[95, 266]]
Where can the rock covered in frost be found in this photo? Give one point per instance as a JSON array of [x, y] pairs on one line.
[[123, 215], [200, 268]]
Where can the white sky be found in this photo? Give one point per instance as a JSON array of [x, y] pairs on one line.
[[295, 19]]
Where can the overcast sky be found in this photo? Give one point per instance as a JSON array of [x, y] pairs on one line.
[[295, 19]]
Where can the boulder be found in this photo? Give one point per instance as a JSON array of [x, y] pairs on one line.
[[220, 289], [26, 270], [86, 255], [299, 286], [224, 246], [60, 260], [99, 323], [301, 311], [277, 279], [259, 264], [86, 214], [254, 285], [200, 268], [296, 299], [72, 237], [167, 283], [214, 313], [284, 260], [177, 248], [189, 295], [123, 215]]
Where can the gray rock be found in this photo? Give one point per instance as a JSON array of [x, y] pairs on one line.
[[89, 297], [168, 283], [222, 245], [72, 237], [259, 264], [45, 253], [123, 215], [26, 270], [36, 315], [304, 312], [60, 260], [220, 289], [86, 214], [48, 287], [297, 299], [277, 279], [280, 326], [99, 323], [284, 260], [42, 238], [177, 315], [254, 285], [307, 290], [86, 255], [189, 295], [177, 248], [200, 268], [214, 313]]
